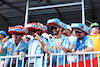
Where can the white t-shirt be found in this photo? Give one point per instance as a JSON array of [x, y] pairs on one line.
[[71, 58], [33, 51], [72, 38], [57, 40]]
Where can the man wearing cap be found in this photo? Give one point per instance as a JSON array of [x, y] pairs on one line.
[[28, 37], [95, 36], [83, 43], [59, 43], [36, 45], [14, 45], [2, 35], [67, 32]]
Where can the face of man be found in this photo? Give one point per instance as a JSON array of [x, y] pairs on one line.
[[17, 36], [27, 39], [1, 36], [79, 34], [66, 32], [36, 31], [55, 30], [95, 29]]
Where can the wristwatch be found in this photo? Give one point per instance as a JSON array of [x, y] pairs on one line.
[[41, 40]]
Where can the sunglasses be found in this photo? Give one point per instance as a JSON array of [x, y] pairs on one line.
[[54, 27], [33, 30], [17, 34], [64, 33], [78, 32]]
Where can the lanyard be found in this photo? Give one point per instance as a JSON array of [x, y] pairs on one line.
[[79, 45]]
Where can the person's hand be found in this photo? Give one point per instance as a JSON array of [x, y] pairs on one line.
[[77, 50], [5, 39], [37, 37], [15, 53], [22, 53], [59, 46], [46, 48]]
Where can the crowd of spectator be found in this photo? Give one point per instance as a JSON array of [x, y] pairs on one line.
[[64, 38]]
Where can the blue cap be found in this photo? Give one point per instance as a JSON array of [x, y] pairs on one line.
[[81, 27], [56, 22], [3, 32]]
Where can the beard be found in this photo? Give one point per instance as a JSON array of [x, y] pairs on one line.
[[55, 33], [1, 38]]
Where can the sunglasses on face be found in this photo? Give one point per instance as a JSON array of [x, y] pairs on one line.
[[64, 33], [78, 32], [1, 34], [54, 27], [33, 30], [17, 34]]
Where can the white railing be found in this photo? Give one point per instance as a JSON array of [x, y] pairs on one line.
[[22, 57], [77, 55], [44, 56]]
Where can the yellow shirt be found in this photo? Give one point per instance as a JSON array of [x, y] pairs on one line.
[[96, 42]]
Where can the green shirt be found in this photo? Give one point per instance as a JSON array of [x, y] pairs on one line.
[[4, 54]]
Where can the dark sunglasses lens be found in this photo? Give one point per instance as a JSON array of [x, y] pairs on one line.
[[19, 34], [33, 30], [77, 32], [54, 28]]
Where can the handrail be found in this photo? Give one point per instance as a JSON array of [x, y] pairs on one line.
[[17, 56], [92, 52]]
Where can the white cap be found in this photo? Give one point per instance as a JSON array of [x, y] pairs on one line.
[[50, 35], [69, 27], [28, 36], [24, 37], [45, 35]]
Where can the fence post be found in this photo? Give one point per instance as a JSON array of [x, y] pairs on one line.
[[46, 56]]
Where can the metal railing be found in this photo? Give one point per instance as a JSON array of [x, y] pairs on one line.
[[77, 55], [45, 57], [52, 6], [22, 58]]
